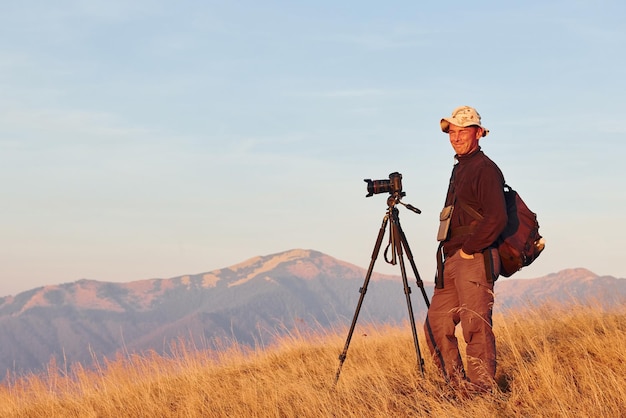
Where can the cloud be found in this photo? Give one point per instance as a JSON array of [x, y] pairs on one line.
[[53, 127], [610, 126], [390, 37], [350, 94], [376, 93]]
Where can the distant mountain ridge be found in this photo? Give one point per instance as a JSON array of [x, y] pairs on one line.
[[252, 302], [571, 285]]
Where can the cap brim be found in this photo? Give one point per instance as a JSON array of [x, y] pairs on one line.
[[445, 125]]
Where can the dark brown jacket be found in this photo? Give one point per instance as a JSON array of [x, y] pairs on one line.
[[477, 181]]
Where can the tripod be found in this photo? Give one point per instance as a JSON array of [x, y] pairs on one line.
[[397, 241]]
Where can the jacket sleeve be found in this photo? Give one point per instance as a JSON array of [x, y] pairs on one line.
[[492, 205]]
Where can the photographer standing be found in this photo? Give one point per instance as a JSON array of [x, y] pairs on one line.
[[469, 264]]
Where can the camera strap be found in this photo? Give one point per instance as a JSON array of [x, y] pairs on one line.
[[450, 201]]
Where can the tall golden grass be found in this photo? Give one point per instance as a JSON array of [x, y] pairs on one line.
[[567, 361]]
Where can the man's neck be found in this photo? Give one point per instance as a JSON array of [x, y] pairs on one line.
[[468, 154]]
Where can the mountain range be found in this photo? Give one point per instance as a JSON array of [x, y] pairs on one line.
[[250, 303]]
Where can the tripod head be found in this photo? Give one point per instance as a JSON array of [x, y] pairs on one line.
[[394, 199]]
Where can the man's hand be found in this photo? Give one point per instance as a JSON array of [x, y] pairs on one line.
[[466, 256]]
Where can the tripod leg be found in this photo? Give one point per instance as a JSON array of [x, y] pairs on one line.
[[395, 225], [409, 255], [362, 291]]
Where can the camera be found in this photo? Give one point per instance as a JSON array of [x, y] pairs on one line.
[[393, 185]]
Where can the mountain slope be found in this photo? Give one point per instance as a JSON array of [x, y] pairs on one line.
[[251, 302], [571, 285]]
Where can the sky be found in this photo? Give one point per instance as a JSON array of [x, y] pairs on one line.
[[152, 139]]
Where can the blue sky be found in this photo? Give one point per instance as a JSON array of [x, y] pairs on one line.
[[150, 139]]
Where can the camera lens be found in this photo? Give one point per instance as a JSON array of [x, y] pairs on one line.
[[377, 186], [393, 185]]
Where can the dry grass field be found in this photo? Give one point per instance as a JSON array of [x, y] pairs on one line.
[[567, 361]]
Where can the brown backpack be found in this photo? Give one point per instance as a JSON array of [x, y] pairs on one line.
[[519, 244]]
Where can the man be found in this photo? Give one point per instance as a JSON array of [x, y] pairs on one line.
[[465, 278]]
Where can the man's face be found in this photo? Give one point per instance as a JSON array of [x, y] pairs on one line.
[[464, 140]]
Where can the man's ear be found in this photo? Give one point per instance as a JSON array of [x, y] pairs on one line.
[[479, 132]]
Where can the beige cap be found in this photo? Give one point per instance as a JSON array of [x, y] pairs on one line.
[[463, 116]]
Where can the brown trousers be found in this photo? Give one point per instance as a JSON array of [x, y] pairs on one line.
[[466, 297]]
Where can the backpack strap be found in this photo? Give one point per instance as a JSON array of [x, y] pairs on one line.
[[473, 212]]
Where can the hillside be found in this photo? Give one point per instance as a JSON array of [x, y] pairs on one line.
[[251, 304], [566, 286], [554, 361]]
